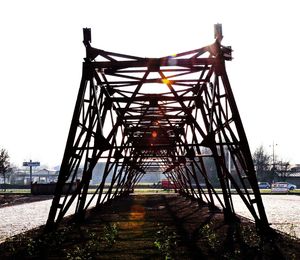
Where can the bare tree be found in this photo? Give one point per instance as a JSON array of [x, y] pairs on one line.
[[267, 169], [262, 162], [4, 164]]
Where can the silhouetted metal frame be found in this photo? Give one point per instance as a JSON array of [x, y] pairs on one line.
[[117, 121]]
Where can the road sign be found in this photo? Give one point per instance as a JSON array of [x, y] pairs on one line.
[[31, 164]]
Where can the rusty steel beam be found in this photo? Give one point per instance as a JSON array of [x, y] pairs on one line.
[[154, 64]]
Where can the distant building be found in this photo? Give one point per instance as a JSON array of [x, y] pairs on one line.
[[295, 168], [45, 176], [149, 177], [291, 176], [22, 176]]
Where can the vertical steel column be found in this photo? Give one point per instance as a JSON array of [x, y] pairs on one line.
[[64, 170]]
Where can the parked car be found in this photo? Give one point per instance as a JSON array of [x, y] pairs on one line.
[[264, 185], [167, 184], [292, 186], [280, 187], [283, 187]]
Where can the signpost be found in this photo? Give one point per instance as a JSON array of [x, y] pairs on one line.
[[31, 164]]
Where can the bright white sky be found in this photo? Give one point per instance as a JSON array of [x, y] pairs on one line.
[[41, 54]]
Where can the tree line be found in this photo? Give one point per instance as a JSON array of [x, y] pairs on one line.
[[269, 167], [4, 163]]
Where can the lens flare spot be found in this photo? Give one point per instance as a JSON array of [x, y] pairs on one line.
[[135, 219], [154, 134], [137, 212], [166, 81]]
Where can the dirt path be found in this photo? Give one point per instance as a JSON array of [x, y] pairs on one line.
[[152, 227]]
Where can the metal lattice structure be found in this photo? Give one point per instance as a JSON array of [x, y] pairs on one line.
[[176, 114]]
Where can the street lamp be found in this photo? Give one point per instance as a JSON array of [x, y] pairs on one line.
[[273, 155]]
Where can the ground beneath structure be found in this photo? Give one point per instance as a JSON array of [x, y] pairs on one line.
[[151, 226]]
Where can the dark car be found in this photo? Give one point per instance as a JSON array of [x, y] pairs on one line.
[[264, 185], [292, 186]]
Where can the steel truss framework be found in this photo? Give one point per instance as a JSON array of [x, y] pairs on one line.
[[174, 114]]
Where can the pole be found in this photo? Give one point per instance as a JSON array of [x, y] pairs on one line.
[[273, 155], [30, 171], [229, 168]]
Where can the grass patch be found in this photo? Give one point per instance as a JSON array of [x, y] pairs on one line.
[[15, 191]]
